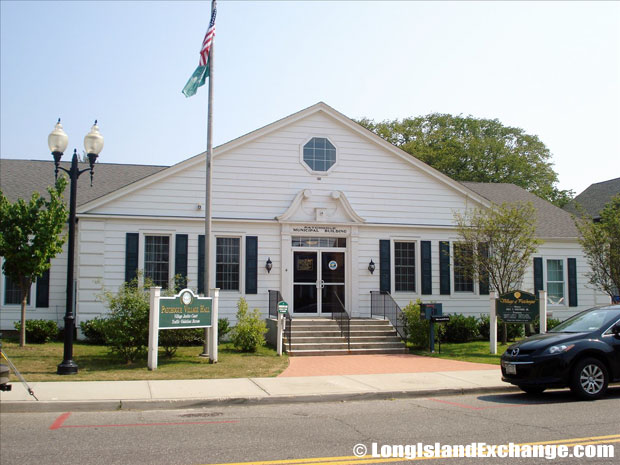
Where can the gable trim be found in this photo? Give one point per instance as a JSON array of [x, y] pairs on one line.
[[319, 107]]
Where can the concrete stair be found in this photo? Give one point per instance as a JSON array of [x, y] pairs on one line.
[[321, 336]]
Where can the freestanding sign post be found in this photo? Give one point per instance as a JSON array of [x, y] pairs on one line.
[[184, 310], [282, 309], [516, 307]]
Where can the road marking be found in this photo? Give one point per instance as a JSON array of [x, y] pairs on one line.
[[59, 423], [353, 460]]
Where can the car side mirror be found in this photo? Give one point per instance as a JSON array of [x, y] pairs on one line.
[[615, 329]]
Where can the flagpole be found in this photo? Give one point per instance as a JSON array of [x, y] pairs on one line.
[[207, 276]]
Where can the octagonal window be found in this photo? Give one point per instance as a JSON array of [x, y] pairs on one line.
[[319, 154]]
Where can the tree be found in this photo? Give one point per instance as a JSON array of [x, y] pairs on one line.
[[476, 149], [30, 236], [601, 245], [496, 245]]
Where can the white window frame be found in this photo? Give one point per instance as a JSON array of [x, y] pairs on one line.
[[475, 288], [305, 165], [564, 261], [142, 251], [417, 277], [213, 260], [33, 293]]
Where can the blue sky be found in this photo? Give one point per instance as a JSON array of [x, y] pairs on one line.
[[552, 69]]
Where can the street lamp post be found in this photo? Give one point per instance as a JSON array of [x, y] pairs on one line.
[[93, 144]]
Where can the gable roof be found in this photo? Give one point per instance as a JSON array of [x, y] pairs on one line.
[[594, 198], [20, 178], [265, 130], [552, 221]]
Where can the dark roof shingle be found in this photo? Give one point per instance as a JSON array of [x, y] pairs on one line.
[[552, 221], [594, 198], [20, 178]]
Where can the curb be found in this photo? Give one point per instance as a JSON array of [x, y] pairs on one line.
[[111, 405]]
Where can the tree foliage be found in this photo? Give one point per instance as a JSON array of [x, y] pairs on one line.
[[475, 149], [601, 245], [497, 243], [30, 236]]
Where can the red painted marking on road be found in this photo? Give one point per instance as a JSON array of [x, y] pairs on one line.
[[60, 420], [471, 407]]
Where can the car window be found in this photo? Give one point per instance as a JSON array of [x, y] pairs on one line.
[[584, 322]]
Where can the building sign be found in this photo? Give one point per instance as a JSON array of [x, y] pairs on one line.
[[518, 307], [307, 229], [185, 310]]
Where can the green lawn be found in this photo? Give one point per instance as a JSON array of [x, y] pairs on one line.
[[476, 351], [38, 362]]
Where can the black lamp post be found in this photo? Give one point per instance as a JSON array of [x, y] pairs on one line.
[[93, 143]]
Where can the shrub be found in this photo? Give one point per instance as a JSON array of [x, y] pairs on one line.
[[551, 323], [127, 326], [514, 330], [461, 328], [94, 330], [249, 332], [223, 328], [39, 331], [171, 339], [417, 330]]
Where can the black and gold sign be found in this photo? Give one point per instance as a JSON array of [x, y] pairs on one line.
[[518, 307]]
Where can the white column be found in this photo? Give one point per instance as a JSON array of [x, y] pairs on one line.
[[155, 293], [542, 305], [215, 294], [492, 322]]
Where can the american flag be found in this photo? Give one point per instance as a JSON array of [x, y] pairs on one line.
[[208, 40]]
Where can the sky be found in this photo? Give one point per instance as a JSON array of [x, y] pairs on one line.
[[552, 69]]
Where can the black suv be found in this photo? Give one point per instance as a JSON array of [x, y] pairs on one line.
[[582, 352]]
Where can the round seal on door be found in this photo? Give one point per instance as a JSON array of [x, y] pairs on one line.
[[332, 265]]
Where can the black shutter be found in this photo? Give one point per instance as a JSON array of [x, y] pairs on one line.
[[427, 278], [180, 260], [201, 264], [538, 275], [131, 256], [251, 265], [444, 268], [483, 281], [572, 282], [43, 290], [385, 266]]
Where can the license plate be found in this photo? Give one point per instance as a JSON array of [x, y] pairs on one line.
[[511, 369]]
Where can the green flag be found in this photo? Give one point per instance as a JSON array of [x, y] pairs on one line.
[[198, 79]]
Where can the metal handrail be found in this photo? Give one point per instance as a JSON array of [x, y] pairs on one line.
[[383, 305], [344, 322]]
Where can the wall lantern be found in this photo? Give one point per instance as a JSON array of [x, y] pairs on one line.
[[371, 266], [268, 265]]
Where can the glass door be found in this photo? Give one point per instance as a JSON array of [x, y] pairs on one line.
[[305, 282], [332, 282], [318, 282]]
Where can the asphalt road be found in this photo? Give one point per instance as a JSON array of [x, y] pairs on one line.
[[321, 433]]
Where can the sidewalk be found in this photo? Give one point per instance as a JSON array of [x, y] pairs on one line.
[[437, 378]]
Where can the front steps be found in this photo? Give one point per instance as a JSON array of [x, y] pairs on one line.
[[321, 336]]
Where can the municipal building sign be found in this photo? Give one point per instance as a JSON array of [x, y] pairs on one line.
[[184, 310], [311, 229], [518, 307]]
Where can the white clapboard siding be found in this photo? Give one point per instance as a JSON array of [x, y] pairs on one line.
[[260, 179]]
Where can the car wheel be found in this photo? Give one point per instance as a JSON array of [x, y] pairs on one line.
[[589, 379], [533, 389]]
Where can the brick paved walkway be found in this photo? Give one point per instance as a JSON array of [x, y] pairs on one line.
[[375, 364]]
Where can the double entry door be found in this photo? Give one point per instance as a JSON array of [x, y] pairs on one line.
[[318, 282]]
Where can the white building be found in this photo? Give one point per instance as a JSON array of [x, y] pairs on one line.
[[317, 195]]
